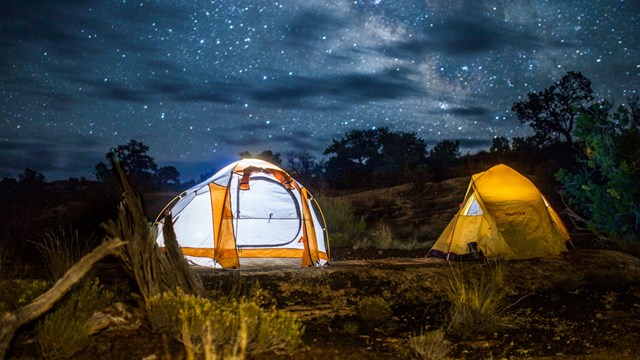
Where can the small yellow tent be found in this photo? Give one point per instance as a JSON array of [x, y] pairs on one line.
[[503, 215]]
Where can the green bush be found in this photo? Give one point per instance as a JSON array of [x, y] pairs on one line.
[[343, 226], [17, 293], [206, 326], [603, 191], [373, 309], [65, 331]]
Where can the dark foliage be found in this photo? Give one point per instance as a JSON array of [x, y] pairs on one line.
[[372, 158], [500, 145], [304, 167], [266, 155], [140, 167], [603, 190], [443, 157], [552, 112], [31, 210]]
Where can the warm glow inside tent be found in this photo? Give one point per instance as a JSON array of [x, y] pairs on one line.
[[250, 213], [503, 215]]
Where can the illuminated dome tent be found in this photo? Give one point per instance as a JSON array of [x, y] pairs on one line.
[[503, 215], [250, 213]]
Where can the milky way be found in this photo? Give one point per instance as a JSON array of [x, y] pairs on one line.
[[200, 81]]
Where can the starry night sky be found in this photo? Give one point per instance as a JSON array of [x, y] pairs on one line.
[[200, 81]]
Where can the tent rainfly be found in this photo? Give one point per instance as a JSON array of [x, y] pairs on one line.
[[250, 213], [503, 215]]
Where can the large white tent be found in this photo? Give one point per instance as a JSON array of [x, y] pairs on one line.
[[250, 213]]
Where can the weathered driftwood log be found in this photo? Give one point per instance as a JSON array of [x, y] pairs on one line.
[[11, 321], [154, 271]]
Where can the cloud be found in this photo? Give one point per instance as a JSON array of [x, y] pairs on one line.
[[465, 35], [469, 111], [302, 92], [352, 88], [113, 90], [58, 158]]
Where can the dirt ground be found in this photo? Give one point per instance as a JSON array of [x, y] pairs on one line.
[[583, 305]]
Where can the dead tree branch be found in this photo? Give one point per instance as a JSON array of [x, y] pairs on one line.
[[11, 321], [154, 271]]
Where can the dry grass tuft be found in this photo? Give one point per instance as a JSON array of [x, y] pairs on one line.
[[430, 345], [477, 300], [62, 249]]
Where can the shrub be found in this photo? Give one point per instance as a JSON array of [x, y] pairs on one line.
[[223, 325], [238, 287], [351, 327], [430, 345], [17, 293], [383, 238], [603, 189], [61, 250], [477, 300], [65, 331], [343, 226], [373, 309]]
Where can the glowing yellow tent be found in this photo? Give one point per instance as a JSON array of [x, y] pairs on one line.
[[503, 215], [250, 213]]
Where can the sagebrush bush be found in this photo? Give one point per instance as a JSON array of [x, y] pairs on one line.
[[430, 345], [65, 331], [18, 292], [373, 309], [343, 226], [219, 326], [477, 299]]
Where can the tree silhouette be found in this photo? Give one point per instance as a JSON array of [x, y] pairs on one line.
[[303, 166], [266, 155], [500, 145], [373, 157], [31, 177], [552, 113], [139, 166], [167, 175], [445, 151], [603, 190]]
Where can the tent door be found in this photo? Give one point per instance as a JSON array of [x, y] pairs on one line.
[[267, 214]]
